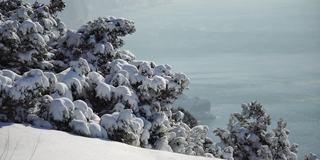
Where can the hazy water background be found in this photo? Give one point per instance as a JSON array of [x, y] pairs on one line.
[[234, 51]]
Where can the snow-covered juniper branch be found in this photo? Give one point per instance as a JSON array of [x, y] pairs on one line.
[[247, 134]]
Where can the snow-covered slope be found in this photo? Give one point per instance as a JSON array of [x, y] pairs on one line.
[[19, 142]]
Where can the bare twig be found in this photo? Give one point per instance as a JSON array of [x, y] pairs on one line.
[[14, 149], [6, 147], [35, 147]]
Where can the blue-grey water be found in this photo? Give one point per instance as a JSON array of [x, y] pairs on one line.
[[234, 51]]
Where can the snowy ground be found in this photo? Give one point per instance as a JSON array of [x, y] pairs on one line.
[[19, 142]]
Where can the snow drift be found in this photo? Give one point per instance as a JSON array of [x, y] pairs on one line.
[[21, 142]]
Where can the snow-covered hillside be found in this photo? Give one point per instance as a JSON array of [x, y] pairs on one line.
[[21, 142], [83, 82]]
